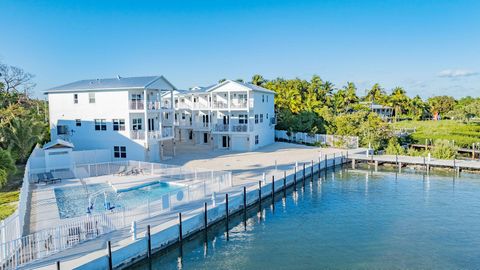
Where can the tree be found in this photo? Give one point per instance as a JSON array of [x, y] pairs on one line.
[[441, 104], [22, 135], [222, 80], [15, 79], [399, 101], [257, 80], [376, 94], [7, 166], [443, 149], [394, 147]]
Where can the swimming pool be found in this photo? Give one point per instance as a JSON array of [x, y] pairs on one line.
[[73, 201], [352, 220]]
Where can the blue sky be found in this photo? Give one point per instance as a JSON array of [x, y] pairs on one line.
[[428, 47]]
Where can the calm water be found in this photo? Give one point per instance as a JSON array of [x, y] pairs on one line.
[[73, 201], [351, 220]]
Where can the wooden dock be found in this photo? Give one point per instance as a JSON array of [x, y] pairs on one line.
[[402, 161]]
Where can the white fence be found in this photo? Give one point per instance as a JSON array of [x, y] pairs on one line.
[[324, 139], [201, 184]]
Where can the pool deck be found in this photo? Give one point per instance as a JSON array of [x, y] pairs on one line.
[[247, 169]]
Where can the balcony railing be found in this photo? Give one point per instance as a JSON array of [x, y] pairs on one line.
[[136, 105], [220, 105], [202, 105], [157, 105], [182, 105], [238, 105], [221, 127], [157, 134], [202, 125], [240, 128], [137, 134]]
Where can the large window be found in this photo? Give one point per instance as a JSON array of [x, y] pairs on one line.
[[243, 119], [137, 124], [91, 97], [120, 152], [75, 98], [100, 124], [118, 124], [62, 130]]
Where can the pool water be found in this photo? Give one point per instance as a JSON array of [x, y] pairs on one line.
[[352, 220], [74, 201]]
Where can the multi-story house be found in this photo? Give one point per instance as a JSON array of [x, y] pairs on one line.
[[132, 117], [229, 115]]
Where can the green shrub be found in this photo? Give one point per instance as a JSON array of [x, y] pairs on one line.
[[443, 149], [394, 148], [7, 166]]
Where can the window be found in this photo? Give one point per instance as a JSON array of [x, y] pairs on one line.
[[256, 139], [256, 118], [183, 116], [151, 124], [75, 98], [78, 122], [91, 97], [100, 124], [243, 119], [120, 151], [261, 118], [137, 124], [263, 98], [62, 130], [136, 97], [118, 124], [267, 116], [267, 101]]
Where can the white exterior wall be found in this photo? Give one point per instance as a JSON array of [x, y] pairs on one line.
[[108, 105], [265, 131]]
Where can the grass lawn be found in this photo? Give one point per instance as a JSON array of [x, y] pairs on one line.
[[10, 192], [463, 134]]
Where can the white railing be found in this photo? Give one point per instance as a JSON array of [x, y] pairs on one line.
[[240, 128], [136, 105], [221, 127], [137, 134], [328, 140], [72, 231], [220, 105], [238, 104]]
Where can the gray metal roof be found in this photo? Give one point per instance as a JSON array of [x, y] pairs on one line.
[[106, 84], [248, 85]]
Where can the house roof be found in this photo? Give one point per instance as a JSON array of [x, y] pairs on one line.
[[58, 143], [373, 105], [118, 83], [247, 85]]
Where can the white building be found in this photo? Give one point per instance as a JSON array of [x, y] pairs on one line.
[[229, 115], [143, 118], [132, 117]]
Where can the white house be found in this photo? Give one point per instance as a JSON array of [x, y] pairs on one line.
[[229, 115], [132, 117]]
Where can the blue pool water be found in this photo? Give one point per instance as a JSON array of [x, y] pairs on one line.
[[351, 220], [73, 201]]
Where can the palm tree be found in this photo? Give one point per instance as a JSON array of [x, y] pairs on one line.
[[376, 94], [258, 80], [22, 135], [399, 101]]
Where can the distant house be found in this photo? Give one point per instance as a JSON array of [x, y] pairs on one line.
[[383, 111]]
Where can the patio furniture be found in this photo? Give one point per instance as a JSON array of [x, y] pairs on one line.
[[121, 170], [51, 178]]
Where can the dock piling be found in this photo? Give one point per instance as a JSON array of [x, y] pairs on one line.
[[311, 172], [180, 229], [109, 251], [149, 243]]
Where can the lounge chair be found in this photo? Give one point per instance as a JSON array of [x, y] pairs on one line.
[[121, 170], [51, 178], [41, 177]]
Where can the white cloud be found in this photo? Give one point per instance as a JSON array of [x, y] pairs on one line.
[[456, 73]]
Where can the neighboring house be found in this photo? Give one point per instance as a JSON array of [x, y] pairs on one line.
[[229, 115], [384, 111], [132, 117]]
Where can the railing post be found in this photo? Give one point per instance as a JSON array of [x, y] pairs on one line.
[[109, 252]]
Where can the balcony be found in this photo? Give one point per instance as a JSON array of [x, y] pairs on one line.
[[158, 135], [202, 125], [201, 105], [242, 104], [220, 105], [137, 134], [183, 105], [240, 128], [136, 105], [221, 128]]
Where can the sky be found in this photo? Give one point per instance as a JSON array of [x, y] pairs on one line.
[[429, 47]]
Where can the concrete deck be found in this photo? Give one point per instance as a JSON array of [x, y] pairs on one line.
[[248, 167]]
